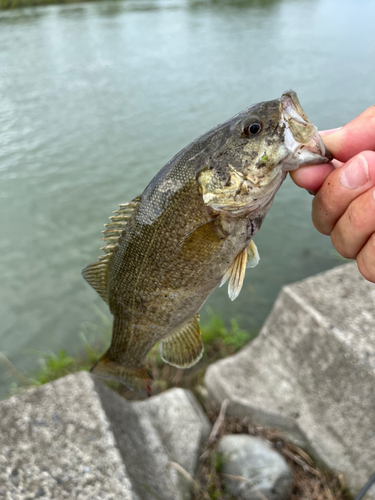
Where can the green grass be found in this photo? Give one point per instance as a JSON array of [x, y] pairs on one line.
[[215, 333], [219, 342], [59, 365], [94, 340]]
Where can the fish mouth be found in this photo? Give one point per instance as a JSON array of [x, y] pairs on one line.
[[301, 137]]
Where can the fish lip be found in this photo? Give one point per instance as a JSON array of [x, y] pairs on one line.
[[289, 98], [310, 148]]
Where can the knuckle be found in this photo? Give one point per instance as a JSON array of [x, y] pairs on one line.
[[354, 217], [370, 158], [366, 260], [323, 202], [371, 246], [363, 269], [341, 244], [321, 215]]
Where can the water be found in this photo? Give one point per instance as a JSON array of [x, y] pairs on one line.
[[95, 98]]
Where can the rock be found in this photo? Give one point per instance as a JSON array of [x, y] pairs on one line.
[[264, 471], [311, 372], [76, 439]]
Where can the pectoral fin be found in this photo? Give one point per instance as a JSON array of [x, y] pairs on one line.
[[183, 348], [236, 274], [252, 255], [249, 257], [205, 239], [106, 368]]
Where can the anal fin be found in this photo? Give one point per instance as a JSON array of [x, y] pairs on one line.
[[106, 368], [184, 347]]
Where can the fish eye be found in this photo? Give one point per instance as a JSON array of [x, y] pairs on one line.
[[252, 129]]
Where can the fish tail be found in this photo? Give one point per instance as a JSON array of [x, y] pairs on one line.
[[107, 368]]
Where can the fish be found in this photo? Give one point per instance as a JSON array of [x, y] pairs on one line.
[[192, 230]]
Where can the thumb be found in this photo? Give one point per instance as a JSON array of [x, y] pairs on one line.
[[354, 137]]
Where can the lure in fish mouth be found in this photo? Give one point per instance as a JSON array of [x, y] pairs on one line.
[[192, 229]]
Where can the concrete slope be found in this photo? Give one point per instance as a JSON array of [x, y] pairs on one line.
[[76, 439], [311, 371]]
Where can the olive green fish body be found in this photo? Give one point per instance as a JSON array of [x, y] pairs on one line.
[[174, 254], [191, 230]]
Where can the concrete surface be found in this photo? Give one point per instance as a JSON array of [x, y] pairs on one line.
[[311, 371], [76, 439]]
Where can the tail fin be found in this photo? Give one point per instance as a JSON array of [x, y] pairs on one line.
[[131, 377]]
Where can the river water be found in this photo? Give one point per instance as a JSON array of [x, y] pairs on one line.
[[96, 97]]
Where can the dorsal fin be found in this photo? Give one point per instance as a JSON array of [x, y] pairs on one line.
[[96, 274]]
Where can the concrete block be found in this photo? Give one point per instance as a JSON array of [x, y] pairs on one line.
[[76, 439], [311, 372], [153, 436]]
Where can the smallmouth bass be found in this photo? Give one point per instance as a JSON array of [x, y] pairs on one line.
[[191, 230]]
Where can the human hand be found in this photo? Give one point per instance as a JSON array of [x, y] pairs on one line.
[[344, 201]]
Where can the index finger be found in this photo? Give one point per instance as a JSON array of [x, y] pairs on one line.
[[311, 177]]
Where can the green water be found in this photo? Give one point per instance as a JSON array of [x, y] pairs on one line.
[[95, 98]]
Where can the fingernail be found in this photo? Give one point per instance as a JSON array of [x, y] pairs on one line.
[[324, 133], [355, 173]]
